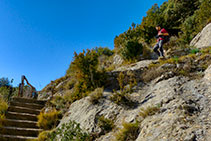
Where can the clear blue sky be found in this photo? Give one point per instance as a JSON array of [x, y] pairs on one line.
[[38, 37]]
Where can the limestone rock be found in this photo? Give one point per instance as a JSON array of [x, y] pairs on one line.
[[203, 38], [136, 66], [85, 113], [177, 96], [184, 108], [117, 60]]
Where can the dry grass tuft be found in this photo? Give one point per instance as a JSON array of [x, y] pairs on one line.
[[129, 132], [96, 95], [48, 120], [149, 111]]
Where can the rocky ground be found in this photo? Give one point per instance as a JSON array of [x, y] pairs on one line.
[[184, 114]]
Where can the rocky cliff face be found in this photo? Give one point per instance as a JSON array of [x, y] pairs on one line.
[[184, 114], [203, 38]]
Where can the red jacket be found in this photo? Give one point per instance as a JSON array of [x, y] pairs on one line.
[[161, 31]]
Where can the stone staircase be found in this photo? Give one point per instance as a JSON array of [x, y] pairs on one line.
[[21, 120]]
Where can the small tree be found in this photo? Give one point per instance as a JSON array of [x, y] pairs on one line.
[[103, 51], [4, 82], [133, 25], [131, 50], [84, 70]]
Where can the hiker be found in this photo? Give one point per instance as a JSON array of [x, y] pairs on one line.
[[162, 38]]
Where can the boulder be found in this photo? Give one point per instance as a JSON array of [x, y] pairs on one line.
[[202, 39], [136, 66], [87, 114], [117, 60]]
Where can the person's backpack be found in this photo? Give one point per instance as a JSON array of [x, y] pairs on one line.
[[166, 39]]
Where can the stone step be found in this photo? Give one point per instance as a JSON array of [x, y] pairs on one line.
[[27, 105], [20, 123], [21, 116], [16, 138], [27, 100], [23, 110], [29, 132]]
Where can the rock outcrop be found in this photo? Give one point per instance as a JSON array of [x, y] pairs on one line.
[[203, 38], [184, 114]]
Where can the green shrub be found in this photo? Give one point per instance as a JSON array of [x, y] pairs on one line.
[[71, 96], [194, 51], [131, 50], [70, 84], [3, 106], [104, 51], [206, 50], [3, 109], [48, 120], [129, 132], [146, 52], [149, 111], [105, 124], [44, 136], [70, 132], [122, 96], [84, 71], [4, 82], [189, 30], [5, 91], [59, 103], [203, 14], [96, 95]]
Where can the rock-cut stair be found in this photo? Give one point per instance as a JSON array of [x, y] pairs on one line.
[[21, 120]]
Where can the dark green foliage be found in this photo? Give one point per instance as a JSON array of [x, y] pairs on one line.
[[105, 124], [103, 51], [69, 132], [4, 82], [131, 50], [203, 15], [84, 72], [189, 29], [194, 51], [6, 88], [177, 11], [194, 23], [84, 69]]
